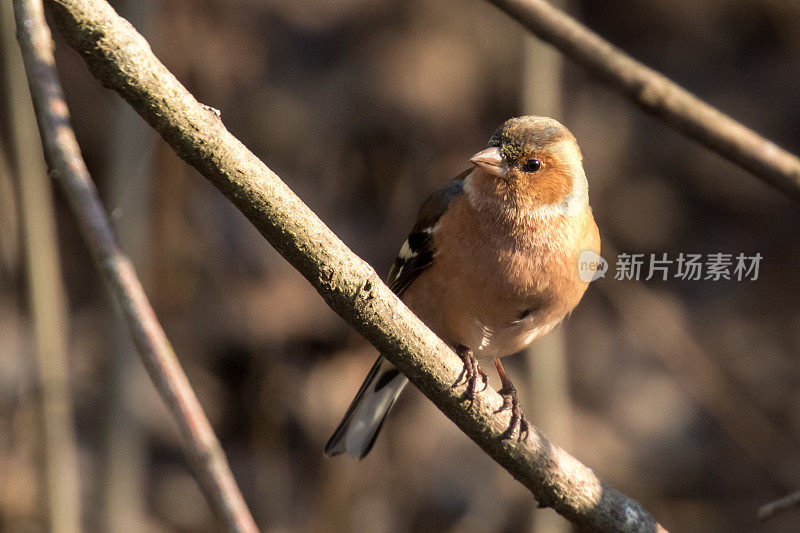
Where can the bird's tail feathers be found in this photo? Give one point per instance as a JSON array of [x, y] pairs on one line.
[[364, 418]]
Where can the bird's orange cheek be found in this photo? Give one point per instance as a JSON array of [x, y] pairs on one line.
[[549, 187]]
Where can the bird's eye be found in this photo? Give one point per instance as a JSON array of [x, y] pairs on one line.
[[531, 165]]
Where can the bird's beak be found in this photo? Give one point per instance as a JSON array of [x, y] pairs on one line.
[[489, 160]]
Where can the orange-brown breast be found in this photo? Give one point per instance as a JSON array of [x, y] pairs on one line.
[[495, 289]]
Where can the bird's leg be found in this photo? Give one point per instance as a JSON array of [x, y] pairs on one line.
[[518, 424], [472, 373]]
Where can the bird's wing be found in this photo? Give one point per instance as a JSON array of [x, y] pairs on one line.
[[417, 253]]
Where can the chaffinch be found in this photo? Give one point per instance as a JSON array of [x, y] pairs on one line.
[[490, 266]]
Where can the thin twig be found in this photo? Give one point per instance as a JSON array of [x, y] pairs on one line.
[[658, 95], [48, 307], [122, 60], [778, 506], [62, 151]]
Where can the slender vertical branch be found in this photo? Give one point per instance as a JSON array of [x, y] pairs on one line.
[[47, 301], [61, 148], [548, 401], [658, 95]]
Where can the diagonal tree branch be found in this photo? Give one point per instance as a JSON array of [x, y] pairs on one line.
[[658, 95], [63, 154], [122, 60]]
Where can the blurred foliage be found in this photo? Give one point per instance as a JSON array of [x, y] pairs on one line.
[[363, 109]]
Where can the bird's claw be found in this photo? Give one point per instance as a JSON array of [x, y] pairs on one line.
[[518, 425], [471, 374]]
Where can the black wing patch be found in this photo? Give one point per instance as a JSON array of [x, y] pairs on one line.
[[408, 266], [418, 251]]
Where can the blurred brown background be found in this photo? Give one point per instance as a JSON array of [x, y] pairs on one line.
[[684, 395]]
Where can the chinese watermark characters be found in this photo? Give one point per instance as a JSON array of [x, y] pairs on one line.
[[689, 267]]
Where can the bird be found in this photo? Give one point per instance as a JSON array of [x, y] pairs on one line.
[[490, 265]]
